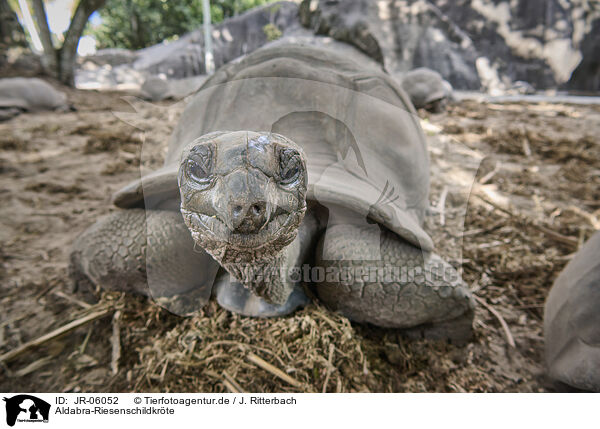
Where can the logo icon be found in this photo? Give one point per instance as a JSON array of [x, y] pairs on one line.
[[26, 408]]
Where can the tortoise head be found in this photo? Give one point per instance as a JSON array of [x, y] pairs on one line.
[[243, 194]]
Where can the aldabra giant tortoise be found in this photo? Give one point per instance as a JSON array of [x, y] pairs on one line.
[[572, 320], [19, 94], [293, 166], [427, 89]]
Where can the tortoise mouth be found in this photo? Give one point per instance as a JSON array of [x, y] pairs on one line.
[[210, 229]]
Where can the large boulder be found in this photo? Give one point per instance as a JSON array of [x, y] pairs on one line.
[[402, 35], [304, 36], [159, 87], [468, 41], [163, 69], [344, 22], [586, 76], [537, 41], [112, 57], [232, 38], [473, 44]]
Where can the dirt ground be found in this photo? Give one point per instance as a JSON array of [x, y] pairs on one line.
[[534, 200]]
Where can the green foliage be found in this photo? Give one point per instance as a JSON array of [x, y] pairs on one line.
[[272, 32], [135, 24]]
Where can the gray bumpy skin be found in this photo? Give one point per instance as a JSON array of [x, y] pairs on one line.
[[572, 321], [30, 94], [112, 254], [405, 287], [427, 89], [259, 202]]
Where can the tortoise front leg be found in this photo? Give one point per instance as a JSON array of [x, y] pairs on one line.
[[145, 252], [406, 288]]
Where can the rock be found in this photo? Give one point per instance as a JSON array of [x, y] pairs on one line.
[[537, 41], [521, 87], [112, 57], [232, 38], [122, 69], [586, 76], [155, 88], [27, 63], [349, 26], [121, 77], [490, 79], [402, 35], [471, 42], [302, 35], [19, 61]]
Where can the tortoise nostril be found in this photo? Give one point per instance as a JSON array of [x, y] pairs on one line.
[[247, 218]]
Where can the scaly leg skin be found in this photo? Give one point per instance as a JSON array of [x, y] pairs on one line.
[[144, 252], [422, 294]]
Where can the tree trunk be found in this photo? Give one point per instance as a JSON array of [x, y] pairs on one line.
[[50, 56], [68, 52], [60, 63]]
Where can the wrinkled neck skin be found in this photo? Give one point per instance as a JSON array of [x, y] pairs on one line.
[[263, 270], [268, 277]]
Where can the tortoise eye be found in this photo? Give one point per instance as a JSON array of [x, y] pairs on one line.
[[199, 164], [290, 166], [197, 171]]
